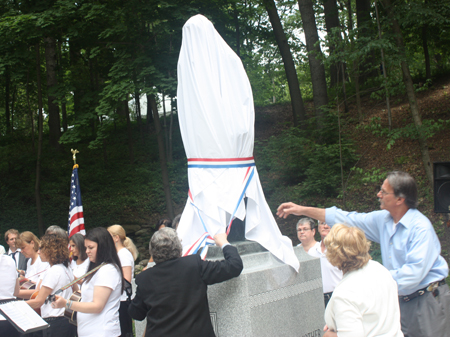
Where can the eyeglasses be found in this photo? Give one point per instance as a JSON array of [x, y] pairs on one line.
[[301, 230], [384, 193]]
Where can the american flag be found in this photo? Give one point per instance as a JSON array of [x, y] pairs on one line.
[[76, 219]]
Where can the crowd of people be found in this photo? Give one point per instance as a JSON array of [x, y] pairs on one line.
[[410, 250], [100, 266], [37, 268], [406, 296]]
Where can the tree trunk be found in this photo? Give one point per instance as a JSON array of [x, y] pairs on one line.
[[236, 27], [162, 157], [13, 103], [407, 79], [331, 14], [298, 109], [30, 110], [316, 67], [137, 102], [149, 112], [383, 65], [37, 186], [166, 134], [52, 81], [61, 78], [129, 131], [355, 70], [365, 30], [78, 89], [344, 89], [170, 153], [7, 111], [425, 51]]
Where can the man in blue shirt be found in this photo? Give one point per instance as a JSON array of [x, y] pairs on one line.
[[410, 250]]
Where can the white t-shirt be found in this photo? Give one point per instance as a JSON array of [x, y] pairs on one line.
[[16, 256], [38, 267], [106, 323], [365, 303], [55, 278], [331, 275], [126, 260], [8, 277], [79, 269], [2, 250]]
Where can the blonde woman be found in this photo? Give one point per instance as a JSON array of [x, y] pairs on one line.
[[365, 302], [36, 268], [127, 252]]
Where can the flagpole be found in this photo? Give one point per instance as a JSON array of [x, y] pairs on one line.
[[76, 218], [74, 152]]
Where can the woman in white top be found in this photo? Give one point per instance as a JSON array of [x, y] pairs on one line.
[[54, 250], [80, 262], [98, 311], [365, 302], [127, 252], [36, 268], [9, 288]]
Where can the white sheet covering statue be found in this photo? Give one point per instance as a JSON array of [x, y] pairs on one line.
[[216, 115]]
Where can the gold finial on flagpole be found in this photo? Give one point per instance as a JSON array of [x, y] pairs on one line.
[[74, 152]]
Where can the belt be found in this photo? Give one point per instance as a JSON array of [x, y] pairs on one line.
[[327, 296], [432, 287], [49, 319]]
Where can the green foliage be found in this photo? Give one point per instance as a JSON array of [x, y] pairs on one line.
[[372, 176], [296, 158], [428, 129], [113, 190]]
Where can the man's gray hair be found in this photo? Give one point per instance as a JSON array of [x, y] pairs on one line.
[[404, 187], [165, 245], [306, 221], [58, 231]]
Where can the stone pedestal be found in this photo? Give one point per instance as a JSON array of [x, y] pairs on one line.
[[268, 299]]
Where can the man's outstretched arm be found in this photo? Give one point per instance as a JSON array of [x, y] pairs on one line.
[[290, 208]]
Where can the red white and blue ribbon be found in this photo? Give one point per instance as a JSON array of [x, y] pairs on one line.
[[220, 162], [205, 239]]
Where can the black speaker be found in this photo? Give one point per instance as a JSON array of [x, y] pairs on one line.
[[441, 187]]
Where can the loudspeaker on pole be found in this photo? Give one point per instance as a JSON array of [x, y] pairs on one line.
[[441, 171]]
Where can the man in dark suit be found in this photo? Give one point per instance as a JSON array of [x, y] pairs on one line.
[[14, 252], [172, 294]]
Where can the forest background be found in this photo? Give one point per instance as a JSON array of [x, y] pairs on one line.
[[345, 91]]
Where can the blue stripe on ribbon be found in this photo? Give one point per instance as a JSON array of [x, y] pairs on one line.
[[220, 166], [241, 197]]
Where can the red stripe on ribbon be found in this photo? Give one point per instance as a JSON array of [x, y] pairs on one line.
[[195, 243], [246, 173], [220, 159]]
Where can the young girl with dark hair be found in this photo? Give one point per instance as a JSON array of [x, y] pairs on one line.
[[80, 261], [53, 250], [98, 311]]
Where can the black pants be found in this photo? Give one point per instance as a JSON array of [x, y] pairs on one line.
[[7, 329], [126, 324], [59, 327], [326, 298]]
